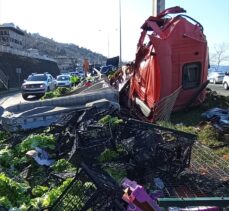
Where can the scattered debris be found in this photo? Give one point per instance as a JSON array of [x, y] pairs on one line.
[[103, 147], [40, 156], [219, 119], [218, 116]]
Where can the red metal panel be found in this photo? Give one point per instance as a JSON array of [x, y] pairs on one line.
[[159, 64]]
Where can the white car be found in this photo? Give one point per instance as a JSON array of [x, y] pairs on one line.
[[215, 77], [38, 85], [226, 81], [64, 81]]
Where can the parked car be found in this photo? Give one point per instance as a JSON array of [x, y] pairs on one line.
[[78, 73], [215, 77], [107, 69], [226, 81], [64, 81], [38, 85]]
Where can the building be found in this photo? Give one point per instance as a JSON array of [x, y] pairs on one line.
[[16, 61], [11, 36]]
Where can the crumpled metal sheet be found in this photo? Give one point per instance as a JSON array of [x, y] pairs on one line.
[[45, 115]]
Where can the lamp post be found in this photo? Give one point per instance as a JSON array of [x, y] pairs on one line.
[[158, 6], [120, 34]]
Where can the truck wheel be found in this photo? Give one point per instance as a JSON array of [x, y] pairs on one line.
[[24, 96], [225, 85]]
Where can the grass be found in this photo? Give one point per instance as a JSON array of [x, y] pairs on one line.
[[193, 116], [189, 121]]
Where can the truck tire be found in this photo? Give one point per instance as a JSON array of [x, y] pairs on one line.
[[226, 86], [24, 96]]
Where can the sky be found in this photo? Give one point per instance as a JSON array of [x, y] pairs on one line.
[[94, 24]]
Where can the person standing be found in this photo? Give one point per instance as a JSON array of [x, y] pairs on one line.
[[85, 66]]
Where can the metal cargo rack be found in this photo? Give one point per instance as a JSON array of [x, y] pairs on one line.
[[153, 150], [90, 190], [156, 148]]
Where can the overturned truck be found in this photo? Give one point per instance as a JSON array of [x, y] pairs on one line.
[[170, 69]]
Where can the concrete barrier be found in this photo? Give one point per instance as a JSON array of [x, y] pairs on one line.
[[80, 99], [30, 115]]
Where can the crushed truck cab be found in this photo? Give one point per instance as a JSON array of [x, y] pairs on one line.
[[171, 65]]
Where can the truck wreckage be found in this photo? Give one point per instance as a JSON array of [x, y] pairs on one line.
[[123, 163]]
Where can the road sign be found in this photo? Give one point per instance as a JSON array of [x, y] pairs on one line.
[[18, 70]]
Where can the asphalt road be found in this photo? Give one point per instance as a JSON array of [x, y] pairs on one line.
[[219, 89], [14, 98]]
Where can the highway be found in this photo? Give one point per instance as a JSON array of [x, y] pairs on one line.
[[219, 89], [13, 99]]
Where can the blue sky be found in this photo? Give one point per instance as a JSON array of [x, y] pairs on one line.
[[212, 14], [94, 24]]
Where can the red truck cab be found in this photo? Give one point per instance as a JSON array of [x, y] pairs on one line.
[[171, 65]]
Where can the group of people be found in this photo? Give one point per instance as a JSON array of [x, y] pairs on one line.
[[74, 78]]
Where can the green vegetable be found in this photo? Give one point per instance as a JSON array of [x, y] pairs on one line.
[[6, 157], [117, 173], [39, 190], [5, 202], [4, 135], [108, 119], [41, 140], [60, 91], [108, 155], [13, 193], [51, 196], [63, 165]]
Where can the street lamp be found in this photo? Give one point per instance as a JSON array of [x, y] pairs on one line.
[[120, 34], [158, 6]]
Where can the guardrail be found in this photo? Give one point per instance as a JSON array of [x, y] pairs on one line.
[[4, 79], [6, 49]]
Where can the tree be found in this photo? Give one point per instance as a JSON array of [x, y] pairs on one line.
[[220, 55]]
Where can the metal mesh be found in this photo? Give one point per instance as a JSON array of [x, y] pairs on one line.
[[208, 176], [90, 190], [164, 108]]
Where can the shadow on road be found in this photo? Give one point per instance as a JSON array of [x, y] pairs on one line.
[[32, 98]]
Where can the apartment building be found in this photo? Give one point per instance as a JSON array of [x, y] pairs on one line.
[[11, 36]]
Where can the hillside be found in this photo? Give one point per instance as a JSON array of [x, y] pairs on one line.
[[67, 55]]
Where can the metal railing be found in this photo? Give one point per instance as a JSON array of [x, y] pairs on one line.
[[3, 79]]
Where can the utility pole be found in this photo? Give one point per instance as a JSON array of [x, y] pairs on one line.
[[108, 44], [120, 34], [158, 6]]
